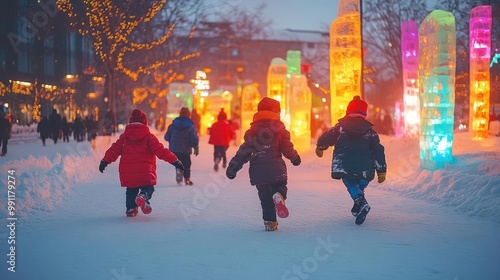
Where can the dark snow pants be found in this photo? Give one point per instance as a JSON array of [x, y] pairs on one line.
[[266, 192], [132, 193]]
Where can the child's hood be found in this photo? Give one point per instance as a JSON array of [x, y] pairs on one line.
[[355, 126], [182, 123], [136, 132]]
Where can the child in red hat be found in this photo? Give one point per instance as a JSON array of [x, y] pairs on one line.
[[357, 155], [266, 142], [138, 148]]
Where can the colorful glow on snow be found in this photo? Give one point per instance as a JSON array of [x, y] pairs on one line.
[[299, 103], [437, 63], [480, 50], [345, 58], [409, 49]]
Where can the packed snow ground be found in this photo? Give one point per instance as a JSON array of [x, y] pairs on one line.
[[423, 224]]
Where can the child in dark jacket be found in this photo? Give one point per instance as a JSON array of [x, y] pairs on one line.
[[138, 148], [183, 137], [357, 155], [221, 134], [265, 143]]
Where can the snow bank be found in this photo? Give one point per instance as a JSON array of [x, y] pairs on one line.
[[43, 181], [470, 184]]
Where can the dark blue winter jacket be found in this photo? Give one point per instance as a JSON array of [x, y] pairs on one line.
[[266, 142], [182, 136], [358, 152]]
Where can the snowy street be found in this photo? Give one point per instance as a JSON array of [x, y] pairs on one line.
[[214, 230]]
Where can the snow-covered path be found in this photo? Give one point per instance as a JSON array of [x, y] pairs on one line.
[[213, 230]]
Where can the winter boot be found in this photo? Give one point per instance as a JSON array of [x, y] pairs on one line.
[[355, 209], [216, 164], [142, 201], [279, 202], [270, 225], [189, 182], [131, 212], [179, 174], [364, 208]]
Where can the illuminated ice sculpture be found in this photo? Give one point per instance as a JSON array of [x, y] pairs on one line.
[[299, 103], [437, 62], [411, 104], [250, 98], [277, 82], [345, 58], [480, 51]]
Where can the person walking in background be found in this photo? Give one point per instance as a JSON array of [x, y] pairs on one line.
[[43, 128], [183, 138], [357, 155], [221, 134], [65, 129], [138, 149], [91, 127], [55, 125], [264, 144], [78, 129], [5, 130]]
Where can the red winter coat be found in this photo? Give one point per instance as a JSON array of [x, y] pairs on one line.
[[138, 148], [221, 133]]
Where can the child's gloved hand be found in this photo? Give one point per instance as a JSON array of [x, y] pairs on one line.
[[178, 164], [231, 170], [296, 161], [196, 151], [102, 166], [381, 177], [319, 152]]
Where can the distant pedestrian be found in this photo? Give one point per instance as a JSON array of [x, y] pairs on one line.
[[183, 138], [266, 142], [55, 125], [43, 128], [138, 148], [91, 127], [65, 128], [78, 129], [5, 129], [221, 134]]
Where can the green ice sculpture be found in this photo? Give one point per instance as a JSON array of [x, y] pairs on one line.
[[437, 62]]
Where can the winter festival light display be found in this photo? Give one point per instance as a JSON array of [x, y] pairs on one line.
[[345, 58], [409, 49], [293, 62], [250, 98], [480, 50], [277, 81], [437, 62], [299, 103], [179, 95]]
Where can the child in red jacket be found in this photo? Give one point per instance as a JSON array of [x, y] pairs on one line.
[[221, 134], [138, 148]]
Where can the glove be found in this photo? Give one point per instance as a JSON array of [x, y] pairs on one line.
[[319, 152], [178, 164], [102, 166], [196, 151], [296, 161], [231, 170], [381, 177]]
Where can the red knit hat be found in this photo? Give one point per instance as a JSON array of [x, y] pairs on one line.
[[357, 106], [138, 116], [269, 104]]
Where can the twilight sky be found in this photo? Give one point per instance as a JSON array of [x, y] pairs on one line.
[[314, 15]]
